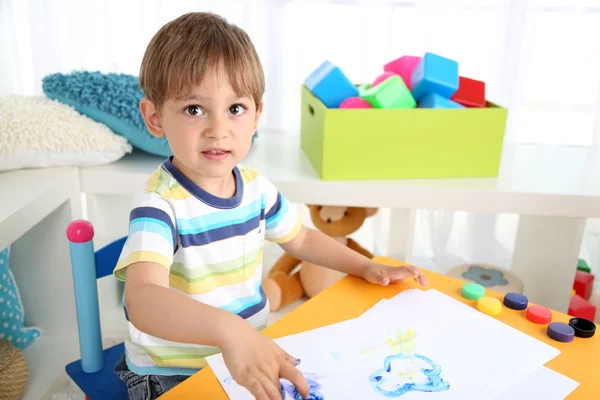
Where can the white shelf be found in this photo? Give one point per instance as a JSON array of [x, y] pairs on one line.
[[28, 196], [534, 180]]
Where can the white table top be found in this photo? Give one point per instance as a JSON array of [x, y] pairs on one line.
[[534, 180], [29, 195]]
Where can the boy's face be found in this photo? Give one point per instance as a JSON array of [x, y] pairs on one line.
[[209, 129]]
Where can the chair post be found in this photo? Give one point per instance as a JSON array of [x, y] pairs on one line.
[[80, 234]]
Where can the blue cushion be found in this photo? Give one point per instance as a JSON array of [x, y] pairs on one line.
[[111, 99], [11, 309]]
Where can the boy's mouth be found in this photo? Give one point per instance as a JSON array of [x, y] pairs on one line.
[[216, 154]]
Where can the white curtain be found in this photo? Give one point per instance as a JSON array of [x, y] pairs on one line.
[[539, 58]]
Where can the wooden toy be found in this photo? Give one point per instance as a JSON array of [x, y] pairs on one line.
[[584, 284], [581, 308], [403, 66], [434, 74], [391, 93], [330, 85], [434, 100], [355, 102], [470, 93]]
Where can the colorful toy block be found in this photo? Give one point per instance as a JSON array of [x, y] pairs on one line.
[[355, 102], [470, 93], [363, 88], [434, 74], [581, 308], [391, 93], [584, 284], [330, 85], [582, 265], [403, 66], [382, 78], [434, 100]]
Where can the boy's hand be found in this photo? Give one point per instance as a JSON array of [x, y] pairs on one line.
[[257, 362], [385, 274]]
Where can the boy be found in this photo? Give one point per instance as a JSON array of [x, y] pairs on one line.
[[192, 261]]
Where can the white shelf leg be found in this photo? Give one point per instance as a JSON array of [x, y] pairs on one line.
[[401, 234], [545, 258]]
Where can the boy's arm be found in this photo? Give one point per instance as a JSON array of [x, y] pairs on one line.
[[159, 311], [318, 248], [254, 360]]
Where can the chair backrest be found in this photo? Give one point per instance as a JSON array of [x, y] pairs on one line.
[[88, 266]]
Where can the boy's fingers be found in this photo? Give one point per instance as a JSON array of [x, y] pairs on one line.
[[422, 279], [382, 277], [256, 388], [294, 375], [292, 360], [402, 273], [271, 388]]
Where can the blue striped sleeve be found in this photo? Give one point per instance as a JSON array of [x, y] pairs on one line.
[[155, 220]]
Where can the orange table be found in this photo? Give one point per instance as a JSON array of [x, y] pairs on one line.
[[350, 297]]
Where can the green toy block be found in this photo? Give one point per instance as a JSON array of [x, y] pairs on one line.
[[391, 93], [582, 265], [363, 88]]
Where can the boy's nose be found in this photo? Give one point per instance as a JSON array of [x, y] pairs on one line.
[[218, 129]]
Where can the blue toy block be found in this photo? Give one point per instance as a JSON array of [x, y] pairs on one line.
[[434, 74], [434, 100], [330, 85]]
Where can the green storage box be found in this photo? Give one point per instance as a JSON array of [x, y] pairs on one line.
[[373, 144]]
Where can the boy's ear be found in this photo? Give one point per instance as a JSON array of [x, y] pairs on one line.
[[151, 118], [258, 113]]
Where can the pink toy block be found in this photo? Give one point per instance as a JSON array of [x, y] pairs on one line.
[[383, 77], [355, 102], [581, 308], [404, 67], [584, 284]]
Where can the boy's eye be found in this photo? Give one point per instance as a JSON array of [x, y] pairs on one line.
[[237, 109], [193, 110]]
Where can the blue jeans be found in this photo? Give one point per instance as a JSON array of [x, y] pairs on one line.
[[145, 387]]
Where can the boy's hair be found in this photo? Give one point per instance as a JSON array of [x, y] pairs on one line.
[[184, 49]]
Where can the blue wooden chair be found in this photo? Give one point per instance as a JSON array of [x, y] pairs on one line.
[[94, 372]]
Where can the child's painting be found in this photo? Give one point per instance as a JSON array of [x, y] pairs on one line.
[[420, 345]]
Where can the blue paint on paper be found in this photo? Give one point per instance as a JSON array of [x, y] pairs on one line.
[[336, 355], [313, 384], [433, 383]]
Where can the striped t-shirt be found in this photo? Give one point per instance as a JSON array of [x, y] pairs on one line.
[[212, 248]]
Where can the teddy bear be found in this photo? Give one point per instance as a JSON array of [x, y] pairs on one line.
[[284, 284]]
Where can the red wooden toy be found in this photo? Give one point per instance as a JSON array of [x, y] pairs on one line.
[[470, 93], [581, 308], [584, 283]]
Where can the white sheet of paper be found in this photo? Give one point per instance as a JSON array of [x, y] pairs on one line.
[[545, 383], [479, 357]]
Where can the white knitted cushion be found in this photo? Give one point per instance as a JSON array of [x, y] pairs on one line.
[[38, 132]]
